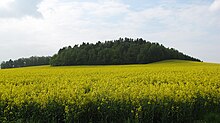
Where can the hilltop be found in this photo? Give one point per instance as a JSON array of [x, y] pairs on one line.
[[121, 51]]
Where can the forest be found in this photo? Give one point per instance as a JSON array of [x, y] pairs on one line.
[[25, 62], [114, 52]]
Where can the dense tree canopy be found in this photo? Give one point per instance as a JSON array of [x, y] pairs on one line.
[[24, 62], [121, 51]]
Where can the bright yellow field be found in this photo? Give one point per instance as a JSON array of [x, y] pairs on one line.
[[171, 91]]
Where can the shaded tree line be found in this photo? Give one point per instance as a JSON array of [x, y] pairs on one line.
[[24, 62], [121, 51]]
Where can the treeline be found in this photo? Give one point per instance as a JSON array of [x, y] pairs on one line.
[[24, 62], [121, 51]]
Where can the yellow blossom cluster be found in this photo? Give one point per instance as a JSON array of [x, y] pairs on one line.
[[176, 91]]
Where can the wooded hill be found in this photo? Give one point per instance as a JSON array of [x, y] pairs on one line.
[[121, 51], [115, 52]]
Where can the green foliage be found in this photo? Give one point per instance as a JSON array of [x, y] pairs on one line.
[[212, 117], [24, 62], [121, 51]]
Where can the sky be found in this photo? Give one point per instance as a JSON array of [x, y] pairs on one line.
[[42, 27]]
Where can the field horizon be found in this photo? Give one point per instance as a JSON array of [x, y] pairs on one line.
[[172, 61]]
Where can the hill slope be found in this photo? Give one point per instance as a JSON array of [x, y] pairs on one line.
[[163, 63]]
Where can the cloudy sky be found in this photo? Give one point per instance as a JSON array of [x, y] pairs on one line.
[[42, 27]]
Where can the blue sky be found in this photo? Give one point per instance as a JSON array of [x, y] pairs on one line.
[[41, 27]]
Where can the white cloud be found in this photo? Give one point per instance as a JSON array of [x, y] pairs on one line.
[[4, 4], [188, 28], [19, 8], [62, 24], [215, 6]]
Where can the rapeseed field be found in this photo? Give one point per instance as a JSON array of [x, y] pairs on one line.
[[170, 91]]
